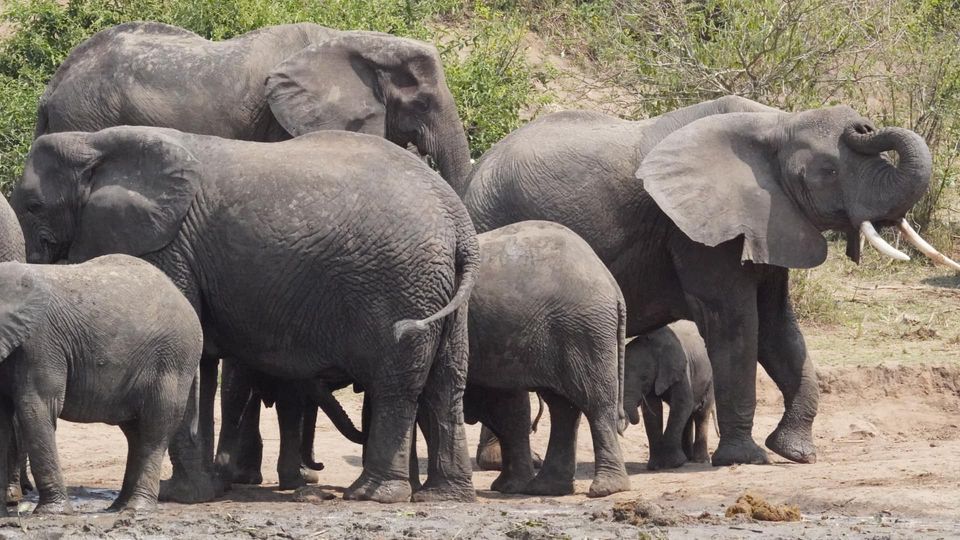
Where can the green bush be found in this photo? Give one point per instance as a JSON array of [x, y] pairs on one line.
[[486, 68]]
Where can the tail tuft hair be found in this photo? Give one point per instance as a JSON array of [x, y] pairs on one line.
[[406, 327]]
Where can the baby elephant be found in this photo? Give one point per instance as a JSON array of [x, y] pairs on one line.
[[670, 365], [110, 340], [546, 315]]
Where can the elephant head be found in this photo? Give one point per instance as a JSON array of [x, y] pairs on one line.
[[779, 179], [23, 301], [654, 363], [376, 84], [120, 190]]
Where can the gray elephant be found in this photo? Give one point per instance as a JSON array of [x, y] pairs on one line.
[[271, 84], [670, 365], [12, 250], [109, 340], [333, 255], [267, 85], [699, 214], [547, 315]]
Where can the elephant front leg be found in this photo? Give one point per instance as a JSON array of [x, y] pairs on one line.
[[507, 412], [290, 417], [669, 450], [6, 443], [16, 461], [783, 354]]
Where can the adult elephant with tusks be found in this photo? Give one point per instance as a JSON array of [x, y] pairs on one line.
[[700, 213], [333, 255]]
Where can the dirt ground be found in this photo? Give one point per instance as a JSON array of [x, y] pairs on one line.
[[888, 434]]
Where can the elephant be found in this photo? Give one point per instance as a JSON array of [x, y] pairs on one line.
[[271, 84], [109, 340], [12, 250], [296, 405], [547, 315], [699, 214], [670, 365], [333, 255]]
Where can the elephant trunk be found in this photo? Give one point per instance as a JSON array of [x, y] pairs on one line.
[[450, 150], [338, 416], [889, 191], [306, 441]]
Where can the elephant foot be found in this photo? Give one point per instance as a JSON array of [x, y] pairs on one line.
[[666, 460], [699, 455], [309, 476], [134, 505], [447, 492], [489, 458], [14, 494], [58, 508], [512, 483], [793, 444], [739, 451], [247, 477], [608, 484], [541, 485], [366, 488], [197, 488]]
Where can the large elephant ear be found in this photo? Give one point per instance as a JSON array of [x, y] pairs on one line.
[[342, 83], [139, 191], [718, 179], [24, 298]]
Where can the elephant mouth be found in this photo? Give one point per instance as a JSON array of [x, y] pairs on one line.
[[50, 252], [869, 232]]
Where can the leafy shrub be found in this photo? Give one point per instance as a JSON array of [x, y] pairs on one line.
[[485, 65]]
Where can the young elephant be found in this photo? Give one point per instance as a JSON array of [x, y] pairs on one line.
[[110, 340], [547, 315], [671, 365]]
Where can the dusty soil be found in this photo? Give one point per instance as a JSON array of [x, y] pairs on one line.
[[888, 439]]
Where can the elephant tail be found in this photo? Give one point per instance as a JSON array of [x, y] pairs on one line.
[[622, 420], [468, 266]]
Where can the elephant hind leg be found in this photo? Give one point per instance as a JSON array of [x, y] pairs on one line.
[[610, 473], [449, 470], [560, 463], [699, 452], [507, 412], [385, 475], [489, 456]]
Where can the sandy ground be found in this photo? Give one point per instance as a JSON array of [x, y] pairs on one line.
[[888, 438]]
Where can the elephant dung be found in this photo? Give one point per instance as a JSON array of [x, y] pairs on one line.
[[639, 512], [759, 509]]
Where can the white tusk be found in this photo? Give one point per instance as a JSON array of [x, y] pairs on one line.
[[880, 244], [925, 248]]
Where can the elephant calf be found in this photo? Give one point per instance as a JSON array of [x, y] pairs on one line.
[[547, 315], [110, 340], [670, 365]]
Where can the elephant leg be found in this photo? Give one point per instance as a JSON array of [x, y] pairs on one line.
[[240, 448], [783, 354], [16, 462], [652, 409], [209, 375], [6, 449], [131, 430], [610, 473], [290, 417], [449, 470], [560, 463], [193, 479], [365, 425], [385, 476], [415, 483], [507, 412], [40, 438], [698, 451], [488, 450], [686, 443], [721, 295], [669, 453]]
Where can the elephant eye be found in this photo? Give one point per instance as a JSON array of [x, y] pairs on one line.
[[34, 206]]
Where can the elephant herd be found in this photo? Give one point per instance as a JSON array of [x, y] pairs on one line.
[[268, 201]]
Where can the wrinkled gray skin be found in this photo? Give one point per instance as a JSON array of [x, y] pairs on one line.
[[111, 340], [296, 405], [267, 85], [670, 365], [12, 250], [699, 214], [305, 258], [547, 316]]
